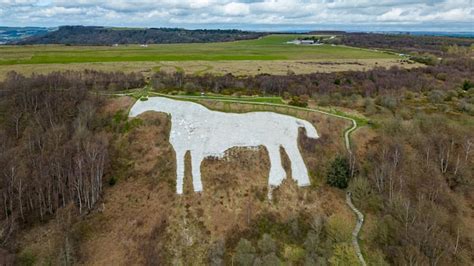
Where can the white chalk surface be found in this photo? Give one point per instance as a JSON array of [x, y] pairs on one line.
[[205, 133]]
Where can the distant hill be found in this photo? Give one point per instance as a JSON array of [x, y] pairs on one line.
[[14, 34], [93, 35]]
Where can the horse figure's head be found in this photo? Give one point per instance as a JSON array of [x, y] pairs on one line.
[[164, 105]]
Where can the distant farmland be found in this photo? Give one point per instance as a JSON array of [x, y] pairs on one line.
[[269, 48]]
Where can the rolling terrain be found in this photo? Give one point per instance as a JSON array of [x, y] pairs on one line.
[[391, 174]]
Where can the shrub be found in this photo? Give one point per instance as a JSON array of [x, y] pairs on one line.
[[189, 88], [339, 228], [467, 84], [426, 59], [216, 253], [409, 95], [369, 106], [268, 260], [466, 107], [266, 244], [436, 96], [336, 98], [339, 173], [244, 253], [293, 253], [112, 181], [26, 258], [344, 254], [363, 195], [451, 95], [441, 76], [298, 101], [388, 101]]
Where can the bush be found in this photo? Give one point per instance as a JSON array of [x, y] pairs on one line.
[[26, 258], [216, 253], [451, 95], [189, 88], [293, 253], [268, 260], [112, 181], [266, 244], [344, 254], [436, 96], [466, 107], [299, 101], [369, 106], [388, 101], [339, 173], [339, 228], [426, 59], [363, 195], [467, 84], [244, 253]]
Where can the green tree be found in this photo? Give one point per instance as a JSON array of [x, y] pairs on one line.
[[270, 259], [343, 254], [216, 253], [244, 253], [339, 173], [266, 244]]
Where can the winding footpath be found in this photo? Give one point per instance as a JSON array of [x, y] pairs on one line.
[[347, 141]]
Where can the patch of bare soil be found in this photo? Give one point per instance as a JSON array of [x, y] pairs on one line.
[[112, 105], [362, 138]]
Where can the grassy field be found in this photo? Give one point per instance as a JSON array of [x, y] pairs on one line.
[[272, 47], [270, 55]]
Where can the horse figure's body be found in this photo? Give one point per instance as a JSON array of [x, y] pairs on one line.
[[206, 133]]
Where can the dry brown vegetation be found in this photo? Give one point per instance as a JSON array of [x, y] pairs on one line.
[[236, 67]]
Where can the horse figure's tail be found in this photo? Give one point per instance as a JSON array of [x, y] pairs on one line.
[[310, 130]]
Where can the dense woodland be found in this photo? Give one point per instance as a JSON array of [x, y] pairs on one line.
[[414, 180], [91, 35], [53, 142]]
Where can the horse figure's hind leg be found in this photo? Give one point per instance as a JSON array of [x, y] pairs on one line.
[[179, 171], [277, 173], [196, 160], [299, 171]]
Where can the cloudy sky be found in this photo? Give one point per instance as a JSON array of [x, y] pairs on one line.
[[446, 15]]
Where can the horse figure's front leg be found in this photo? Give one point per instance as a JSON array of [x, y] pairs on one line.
[[196, 159], [277, 172]]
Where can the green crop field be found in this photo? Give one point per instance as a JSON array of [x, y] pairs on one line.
[[272, 47]]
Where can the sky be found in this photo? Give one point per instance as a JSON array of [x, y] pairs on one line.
[[366, 15]]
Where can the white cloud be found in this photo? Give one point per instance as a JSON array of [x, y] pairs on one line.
[[236, 9], [239, 13]]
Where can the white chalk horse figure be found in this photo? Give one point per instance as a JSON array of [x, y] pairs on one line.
[[206, 133]]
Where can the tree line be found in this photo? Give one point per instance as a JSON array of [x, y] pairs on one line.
[[404, 43], [94, 35]]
